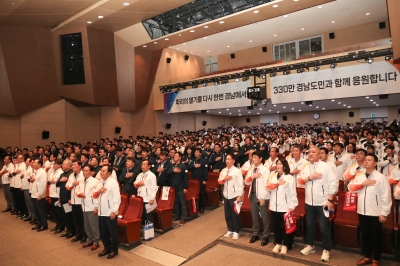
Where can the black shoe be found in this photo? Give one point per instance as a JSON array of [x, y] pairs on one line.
[[12, 212], [201, 211], [76, 239], [265, 241], [104, 252], [70, 236], [42, 229], [6, 210], [33, 221], [24, 216], [112, 255], [58, 231], [54, 229], [65, 234], [20, 214], [36, 227], [27, 219], [254, 239], [83, 241]]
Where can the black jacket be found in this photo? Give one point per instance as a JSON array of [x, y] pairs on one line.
[[65, 195], [127, 183], [200, 173], [162, 177], [217, 165], [179, 181], [120, 165]]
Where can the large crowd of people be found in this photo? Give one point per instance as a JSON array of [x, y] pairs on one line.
[[84, 180]]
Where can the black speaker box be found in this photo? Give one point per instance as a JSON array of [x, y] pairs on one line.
[[351, 114], [204, 123], [168, 125], [382, 25], [117, 130], [383, 96], [331, 35], [203, 111], [249, 107], [248, 120], [45, 134], [232, 56], [284, 118], [186, 57], [398, 111], [264, 49], [168, 60]]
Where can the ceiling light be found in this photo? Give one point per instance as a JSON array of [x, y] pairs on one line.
[[344, 104], [184, 43], [216, 83], [377, 105], [230, 113], [255, 11], [207, 111], [374, 102], [100, 16], [229, 31], [367, 97], [339, 102], [333, 21], [316, 68], [275, 35], [177, 48], [371, 100], [126, 4], [317, 106], [238, 110], [208, 51], [368, 14], [240, 114], [250, 41], [155, 42], [275, 6], [333, 66], [144, 46], [323, 108], [285, 16], [245, 79], [219, 112], [206, 27], [221, 22], [166, 39], [284, 106], [278, 112], [302, 102], [299, 110], [319, 6], [348, 106], [269, 110], [369, 60], [258, 113], [249, 112], [89, 22], [296, 0], [333, 100], [228, 46], [191, 30], [272, 75], [302, 28], [205, 38], [274, 104], [227, 109], [388, 57], [237, 79]]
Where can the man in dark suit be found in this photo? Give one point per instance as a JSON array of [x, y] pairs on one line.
[[119, 162], [128, 176], [199, 168], [180, 182], [161, 169]]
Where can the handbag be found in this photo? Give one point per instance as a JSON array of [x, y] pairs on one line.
[[290, 222], [350, 201], [148, 233]]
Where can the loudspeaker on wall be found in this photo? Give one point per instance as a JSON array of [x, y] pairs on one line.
[[168, 125], [382, 25], [168, 60], [351, 114], [331, 35], [264, 49], [186, 57], [45, 134], [117, 130], [203, 111], [204, 123], [232, 56], [284, 118], [248, 120]]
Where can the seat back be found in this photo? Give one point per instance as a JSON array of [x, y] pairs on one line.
[[246, 200], [123, 205], [342, 214], [301, 197], [135, 208], [193, 189], [212, 182], [165, 204], [158, 194]]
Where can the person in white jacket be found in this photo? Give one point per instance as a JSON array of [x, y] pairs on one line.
[[54, 192], [321, 186], [340, 159], [91, 220], [373, 206], [108, 200], [26, 186], [146, 184], [5, 172], [38, 194], [231, 178], [295, 161], [19, 199], [256, 178], [283, 199], [388, 160]]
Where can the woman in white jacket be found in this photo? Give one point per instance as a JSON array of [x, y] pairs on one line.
[[283, 199]]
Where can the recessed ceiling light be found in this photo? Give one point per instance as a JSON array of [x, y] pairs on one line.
[[284, 106], [344, 104], [249, 112], [317, 107], [206, 27], [368, 14], [302, 28], [126, 4], [275, 6], [323, 108], [296, 0], [269, 110], [377, 105], [275, 35], [299, 110], [221, 22], [184, 43], [144, 46], [333, 100], [184, 50], [285, 16], [319, 6], [339, 102], [278, 112], [260, 109], [219, 112], [191, 30], [367, 97], [155, 42], [89, 22], [371, 100], [374, 102], [238, 110], [255, 11], [292, 108], [250, 41], [177, 48], [227, 109], [205, 38], [333, 21], [240, 114], [229, 31], [166, 39], [230, 113], [100, 16], [348, 106], [302, 102], [208, 51], [228, 46], [274, 104]]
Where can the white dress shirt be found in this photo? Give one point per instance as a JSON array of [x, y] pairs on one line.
[[109, 200], [149, 190], [40, 183]]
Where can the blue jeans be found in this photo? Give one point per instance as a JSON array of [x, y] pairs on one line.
[[311, 218]]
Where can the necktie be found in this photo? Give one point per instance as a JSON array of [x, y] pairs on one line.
[[253, 183]]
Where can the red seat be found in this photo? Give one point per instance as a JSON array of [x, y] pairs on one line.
[[345, 225], [341, 186], [390, 234], [300, 213], [212, 190], [245, 213], [124, 204], [192, 192], [129, 225], [163, 212]]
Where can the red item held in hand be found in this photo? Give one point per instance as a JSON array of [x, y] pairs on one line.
[[290, 222], [350, 201]]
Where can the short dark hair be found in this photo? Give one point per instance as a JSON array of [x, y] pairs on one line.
[[339, 144], [373, 155], [362, 150], [131, 159], [58, 161], [259, 154], [324, 149], [109, 168], [90, 167], [78, 163]]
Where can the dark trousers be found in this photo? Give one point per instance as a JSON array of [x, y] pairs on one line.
[[77, 218], [312, 213], [68, 220], [281, 237], [147, 216], [202, 196], [58, 214], [109, 233], [231, 218], [35, 209], [40, 212], [179, 204], [371, 236], [19, 200]]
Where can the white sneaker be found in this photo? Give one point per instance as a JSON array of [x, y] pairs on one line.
[[307, 250], [277, 248], [235, 236], [325, 255], [284, 250], [229, 234]]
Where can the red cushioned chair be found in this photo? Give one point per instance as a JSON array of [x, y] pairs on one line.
[[192, 192], [163, 212], [124, 204], [345, 225], [300, 213], [245, 211], [390, 234], [129, 225], [212, 190]]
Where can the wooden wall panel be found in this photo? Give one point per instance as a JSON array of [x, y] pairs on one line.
[[112, 117], [394, 25], [82, 124], [393, 112], [10, 131], [341, 115], [241, 121], [7, 106], [29, 60], [50, 117]]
